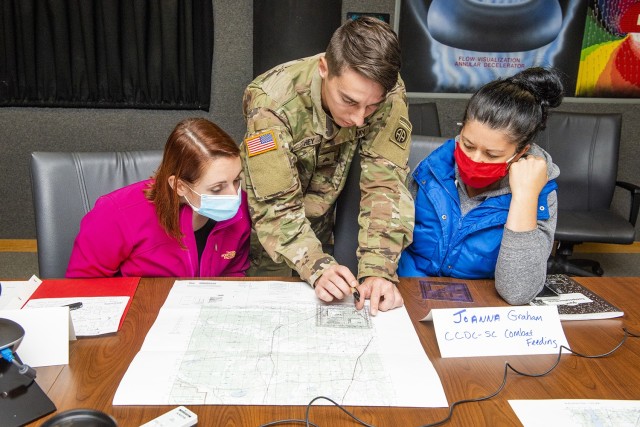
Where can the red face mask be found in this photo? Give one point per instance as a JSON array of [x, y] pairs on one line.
[[476, 174]]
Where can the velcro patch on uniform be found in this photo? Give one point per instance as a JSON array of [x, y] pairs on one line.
[[400, 135], [260, 143], [392, 141], [271, 173]]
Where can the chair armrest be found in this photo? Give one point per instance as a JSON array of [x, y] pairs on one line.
[[635, 199]]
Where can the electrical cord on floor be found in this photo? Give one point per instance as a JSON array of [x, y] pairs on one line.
[[507, 367]]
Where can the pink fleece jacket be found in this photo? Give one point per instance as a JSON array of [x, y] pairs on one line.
[[121, 236]]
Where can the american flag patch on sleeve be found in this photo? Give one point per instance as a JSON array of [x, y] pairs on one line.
[[260, 143]]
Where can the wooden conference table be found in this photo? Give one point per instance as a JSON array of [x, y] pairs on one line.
[[96, 366]]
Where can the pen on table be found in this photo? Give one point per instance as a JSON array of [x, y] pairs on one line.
[[74, 306]]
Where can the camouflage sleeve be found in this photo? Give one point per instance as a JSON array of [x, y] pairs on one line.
[[275, 196], [387, 210]]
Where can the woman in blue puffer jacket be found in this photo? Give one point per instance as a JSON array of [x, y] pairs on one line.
[[486, 202]]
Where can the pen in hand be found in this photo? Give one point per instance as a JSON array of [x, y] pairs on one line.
[[356, 293], [73, 306]]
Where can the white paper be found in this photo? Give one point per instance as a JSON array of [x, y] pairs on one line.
[[16, 293], [46, 336], [498, 331], [565, 299], [97, 316], [275, 343], [577, 412]]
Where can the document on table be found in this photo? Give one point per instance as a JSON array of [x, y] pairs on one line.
[[96, 316], [496, 331], [577, 412], [275, 343], [82, 289], [15, 293]]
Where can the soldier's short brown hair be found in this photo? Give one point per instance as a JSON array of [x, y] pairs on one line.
[[367, 46]]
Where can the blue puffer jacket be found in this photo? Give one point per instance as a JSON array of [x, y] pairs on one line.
[[446, 244]]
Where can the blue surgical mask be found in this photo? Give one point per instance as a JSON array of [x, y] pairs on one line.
[[217, 207]]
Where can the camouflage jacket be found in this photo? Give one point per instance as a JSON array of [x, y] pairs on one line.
[[296, 162]]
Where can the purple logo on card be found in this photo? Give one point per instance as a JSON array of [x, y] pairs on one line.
[[446, 291]]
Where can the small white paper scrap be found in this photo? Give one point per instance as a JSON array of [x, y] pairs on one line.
[[15, 293]]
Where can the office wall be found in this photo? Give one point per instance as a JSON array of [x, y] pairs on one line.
[[23, 130]]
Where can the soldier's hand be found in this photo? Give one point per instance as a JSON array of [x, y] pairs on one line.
[[383, 295], [335, 283]]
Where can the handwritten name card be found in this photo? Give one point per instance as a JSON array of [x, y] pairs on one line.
[[497, 331]]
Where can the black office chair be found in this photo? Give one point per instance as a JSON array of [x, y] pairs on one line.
[[65, 187], [424, 118], [346, 227], [585, 147]]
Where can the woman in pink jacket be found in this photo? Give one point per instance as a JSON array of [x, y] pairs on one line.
[[190, 220]]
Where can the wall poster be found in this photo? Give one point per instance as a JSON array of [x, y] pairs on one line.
[[610, 56], [456, 46]]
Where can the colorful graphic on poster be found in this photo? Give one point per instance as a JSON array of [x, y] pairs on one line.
[[459, 45], [610, 57]]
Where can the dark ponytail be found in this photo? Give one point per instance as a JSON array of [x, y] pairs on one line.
[[519, 105]]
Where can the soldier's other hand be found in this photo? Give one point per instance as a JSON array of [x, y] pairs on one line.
[[383, 295], [335, 283]]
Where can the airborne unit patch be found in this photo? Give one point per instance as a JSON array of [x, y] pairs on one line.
[[402, 132]]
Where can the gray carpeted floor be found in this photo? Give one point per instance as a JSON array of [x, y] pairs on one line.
[[14, 265], [620, 265]]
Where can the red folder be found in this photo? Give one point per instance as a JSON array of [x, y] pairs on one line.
[[100, 287]]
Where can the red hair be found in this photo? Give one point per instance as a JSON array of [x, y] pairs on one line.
[[190, 147]]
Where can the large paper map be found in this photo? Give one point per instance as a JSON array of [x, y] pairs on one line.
[[577, 412], [274, 343]]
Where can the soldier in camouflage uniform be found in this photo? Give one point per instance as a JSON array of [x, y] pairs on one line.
[[305, 121]]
